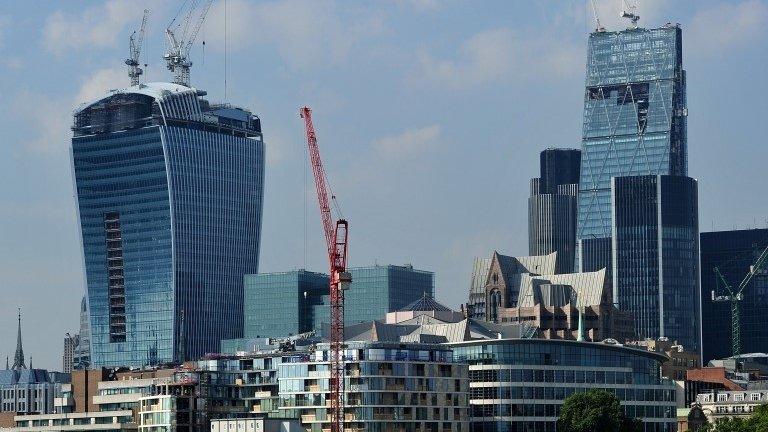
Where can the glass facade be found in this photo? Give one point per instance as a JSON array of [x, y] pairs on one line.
[[733, 253], [634, 117], [377, 290], [284, 304], [288, 303], [169, 192], [656, 256], [520, 384]]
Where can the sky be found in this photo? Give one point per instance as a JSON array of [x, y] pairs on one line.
[[430, 116]]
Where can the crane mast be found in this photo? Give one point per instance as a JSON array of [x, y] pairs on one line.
[[734, 297], [180, 39], [135, 44], [336, 242]]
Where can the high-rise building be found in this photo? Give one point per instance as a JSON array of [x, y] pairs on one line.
[[552, 207], [283, 304], [656, 255], [68, 357], [634, 124], [733, 253], [82, 354], [169, 191]]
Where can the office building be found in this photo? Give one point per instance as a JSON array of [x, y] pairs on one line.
[[679, 361], [169, 190], [733, 253], [552, 207], [520, 384], [379, 289], [389, 387], [634, 124], [283, 304], [68, 356], [656, 255]]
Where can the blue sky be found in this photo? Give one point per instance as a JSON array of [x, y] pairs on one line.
[[430, 116]]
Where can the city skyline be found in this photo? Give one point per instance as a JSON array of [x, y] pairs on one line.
[[406, 148]]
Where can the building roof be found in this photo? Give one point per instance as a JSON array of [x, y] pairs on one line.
[[159, 91], [586, 289], [425, 303], [537, 264], [428, 329]]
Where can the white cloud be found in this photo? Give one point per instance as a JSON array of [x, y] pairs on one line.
[[723, 26], [97, 26], [305, 32], [498, 54], [49, 119], [101, 81], [407, 144]]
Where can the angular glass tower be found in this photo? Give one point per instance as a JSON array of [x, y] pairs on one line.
[[169, 193], [656, 255], [634, 122]]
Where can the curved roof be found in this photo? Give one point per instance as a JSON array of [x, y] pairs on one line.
[[156, 90], [425, 303]]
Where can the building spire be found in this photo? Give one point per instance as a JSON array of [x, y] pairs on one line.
[[18, 358]]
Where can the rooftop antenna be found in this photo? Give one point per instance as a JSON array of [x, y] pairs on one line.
[[629, 11], [136, 42], [600, 27], [181, 35]]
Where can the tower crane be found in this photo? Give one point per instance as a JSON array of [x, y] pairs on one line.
[[336, 240], [135, 44], [628, 11], [734, 297], [181, 35]]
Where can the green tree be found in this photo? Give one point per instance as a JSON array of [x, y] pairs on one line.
[[595, 410]]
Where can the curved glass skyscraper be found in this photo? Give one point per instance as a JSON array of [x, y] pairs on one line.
[[169, 191]]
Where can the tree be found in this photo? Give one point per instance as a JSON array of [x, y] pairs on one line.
[[757, 422], [595, 410]]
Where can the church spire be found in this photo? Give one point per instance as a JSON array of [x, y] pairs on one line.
[[18, 358]]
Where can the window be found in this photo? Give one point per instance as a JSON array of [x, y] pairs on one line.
[[754, 397], [722, 397]]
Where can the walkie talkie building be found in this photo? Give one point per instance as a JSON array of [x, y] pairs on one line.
[[170, 193]]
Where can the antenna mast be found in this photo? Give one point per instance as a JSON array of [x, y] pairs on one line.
[[181, 37], [136, 42]]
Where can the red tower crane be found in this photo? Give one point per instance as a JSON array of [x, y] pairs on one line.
[[336, 240]]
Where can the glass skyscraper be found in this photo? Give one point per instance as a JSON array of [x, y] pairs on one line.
[[733, 253], [552, 207], [634, 122], [169, 193], [288, 303], [656, 255]]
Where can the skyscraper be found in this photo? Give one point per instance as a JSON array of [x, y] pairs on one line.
[[169, 192], [634, 124], [733, 253], [656, 255], [552, 207]]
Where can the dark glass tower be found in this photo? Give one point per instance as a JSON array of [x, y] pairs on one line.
[[656, 255], [634, 122], [733, 253], [169, 191], [552, 207]]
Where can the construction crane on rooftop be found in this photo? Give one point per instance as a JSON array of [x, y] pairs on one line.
[[181, 36], [336, 241], [734, 297], [135, 44], [629, 11]]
